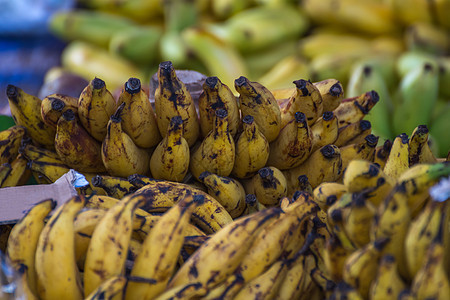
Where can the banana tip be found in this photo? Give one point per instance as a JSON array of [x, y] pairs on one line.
[[97, 83], [133, 86], [57, 104], [12, 92], [327, 116], [211, 82]]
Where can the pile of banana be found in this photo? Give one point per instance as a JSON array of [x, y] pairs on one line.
[[267, 195]]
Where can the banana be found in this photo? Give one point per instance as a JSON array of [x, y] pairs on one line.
[[353, 131], [398, 159], [334, 257], [421, 233], [215, 54], [392, 222], [96, 104], [282, 73], [26, 112], [160, 250], [266, 285], [208, 266], [116, 187], [120, 155], [216, 152], [256, 100], [293, 144], [438, 130], [52, 107], [382, 153], [10, 141], [323, 281], [327, 193], [84, 224], [363, 150], [306, 99], [303, 185], [91, 26], [227, 191], [360, 268], [259, 27], [173, 99], [170, 159], [419, 150], [137, 43], [90, 61], [294, 281], [388, 283], [325, 130], [138, 117], [55, 254], [112, 288], [420, 83], [5, 170], [431, 281], [75, 146], [336, 215], [252, 205], [216, 95], [354, 109], [362, 174], [109, 243], [346, 291], [24, 236], [363, 78], [19, 173], [251, 149], [325, 164], [332, 93], [410, 60], [161, 195], [360, 213], [269, 186]]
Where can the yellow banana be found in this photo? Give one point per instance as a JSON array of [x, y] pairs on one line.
[[185, 291], [10, 140], [75, 146], [251, 149], [293, 144], [26, 112], [382, 153], [19, 173], [216, 153], [160, 250], [392, 222], [161, 195], [327, 193], [332, 93], [138, 118], [216, 95], [334, 257], [352, 131], [360, 213], [116, 187], [421, 233], [54, 105], [360, 268], [96, 104], [83, 225], [431, 281], [354, 109], [24, 282], [398, 159], [24, 236], [363, 150], [256, 100], [120, 155], [362, 174], [222, 253], [55, 254], [173, 99], [108, 248], [419, 150], [306, 99], [325, 164], [388, 283], [170, 159], [227, 191], [269, 186], [266, 285], [294, 281], [113, 288], [325, 130]]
